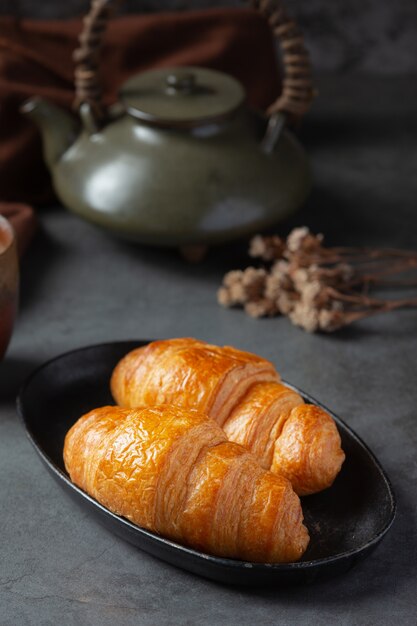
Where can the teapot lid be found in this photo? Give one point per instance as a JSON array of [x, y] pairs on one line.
[[182, 96]]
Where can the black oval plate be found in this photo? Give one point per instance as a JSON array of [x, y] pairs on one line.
[[346, 522]]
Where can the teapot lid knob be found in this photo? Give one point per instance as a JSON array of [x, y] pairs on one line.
[[182, 96], [181, 81]]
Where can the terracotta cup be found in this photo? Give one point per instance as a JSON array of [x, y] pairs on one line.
[[9, 283]]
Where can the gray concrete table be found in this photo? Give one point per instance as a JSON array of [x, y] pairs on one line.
[[79, 286]]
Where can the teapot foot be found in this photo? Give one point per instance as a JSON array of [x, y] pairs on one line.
[[193, 253]]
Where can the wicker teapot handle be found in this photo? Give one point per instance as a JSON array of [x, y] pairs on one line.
[[297, 85]]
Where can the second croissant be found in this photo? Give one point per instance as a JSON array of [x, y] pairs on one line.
[[243, 393]]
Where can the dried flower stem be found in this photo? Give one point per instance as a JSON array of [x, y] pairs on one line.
[[386, 307], [367, 301]]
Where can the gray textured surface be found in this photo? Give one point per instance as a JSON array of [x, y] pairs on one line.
[[57, 566], [354, 35]]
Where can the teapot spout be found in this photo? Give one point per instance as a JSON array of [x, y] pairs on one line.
[[58, 128]]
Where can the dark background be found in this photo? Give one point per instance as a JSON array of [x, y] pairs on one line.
[[375, 36]]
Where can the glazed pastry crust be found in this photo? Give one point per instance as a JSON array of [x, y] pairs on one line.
[[190, 373], [174, 472], [308, 451], [242, 393]]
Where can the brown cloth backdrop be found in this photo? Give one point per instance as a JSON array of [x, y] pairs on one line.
[[36, 59]]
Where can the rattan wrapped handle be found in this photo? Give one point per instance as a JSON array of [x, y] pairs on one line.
[[88, 88], [298, 90], [297, 87]]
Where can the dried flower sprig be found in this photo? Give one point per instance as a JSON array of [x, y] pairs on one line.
[[319, 288]]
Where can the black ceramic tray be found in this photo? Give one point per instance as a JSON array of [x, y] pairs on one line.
[[346, 522]]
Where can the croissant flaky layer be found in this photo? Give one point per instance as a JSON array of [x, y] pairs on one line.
[[174, 472], [243, 393]]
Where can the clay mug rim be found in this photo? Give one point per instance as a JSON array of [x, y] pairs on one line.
[[5, 226], [9, 283]]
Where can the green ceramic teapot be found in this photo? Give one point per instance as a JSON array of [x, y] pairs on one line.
[[180, 160]]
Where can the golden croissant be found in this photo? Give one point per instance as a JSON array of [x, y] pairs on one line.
[[243, 393], [174, 472]]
